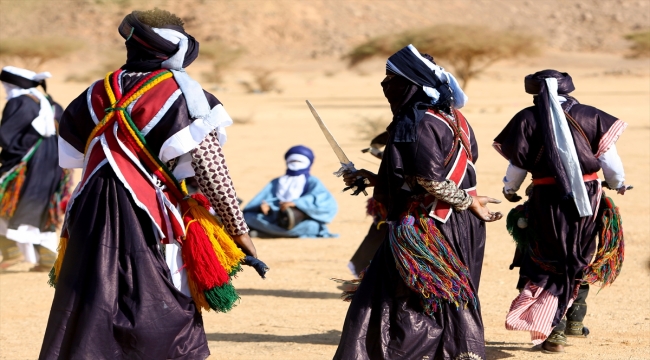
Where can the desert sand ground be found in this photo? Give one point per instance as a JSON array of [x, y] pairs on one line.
[[296, 312]]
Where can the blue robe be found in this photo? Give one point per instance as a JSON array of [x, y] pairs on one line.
[[316, 202]]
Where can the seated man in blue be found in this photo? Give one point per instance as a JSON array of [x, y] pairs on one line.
[[293, 205]]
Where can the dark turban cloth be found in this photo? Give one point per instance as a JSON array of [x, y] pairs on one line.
[[535, 84], [418, 84], [146, 50]]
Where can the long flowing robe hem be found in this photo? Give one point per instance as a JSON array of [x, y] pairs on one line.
[[114, 296]]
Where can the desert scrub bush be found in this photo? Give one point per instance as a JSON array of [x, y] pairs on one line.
[[111, 62], [263, 81], [639, 44], [369, 127], [222, 57], [33, 52], [468, 50]]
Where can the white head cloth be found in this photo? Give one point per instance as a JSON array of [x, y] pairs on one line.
[[44, 122], [197, 104], [290, 187], [567, 150]]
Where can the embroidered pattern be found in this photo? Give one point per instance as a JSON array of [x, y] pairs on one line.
[[214, 182], [448, 192], [468, 356]]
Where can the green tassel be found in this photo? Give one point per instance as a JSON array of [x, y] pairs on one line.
[[235, 270], [222, 298], [519, 235], [52, 278]]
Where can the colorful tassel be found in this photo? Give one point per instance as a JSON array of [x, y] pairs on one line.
[[377, 210], [608, 262], [11, 183], [56, 269], [59, 201], [211, 257], [427, 264], [513, 221]]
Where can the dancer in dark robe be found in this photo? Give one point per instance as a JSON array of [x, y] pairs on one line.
[[127, 281], [418, 298], [32, 185], [563, 144]]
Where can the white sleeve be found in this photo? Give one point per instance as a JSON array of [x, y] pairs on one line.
[[515, 176], [69, 157], [612, 168]]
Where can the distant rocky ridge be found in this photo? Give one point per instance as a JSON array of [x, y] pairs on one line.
[[296, 30]]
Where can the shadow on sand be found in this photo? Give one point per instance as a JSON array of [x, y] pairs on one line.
[[296, 294], [495, 350], [328, 338]]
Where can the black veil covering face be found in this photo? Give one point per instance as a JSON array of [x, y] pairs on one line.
[[146, 50]]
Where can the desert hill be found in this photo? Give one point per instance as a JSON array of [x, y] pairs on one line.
[[290, 29]]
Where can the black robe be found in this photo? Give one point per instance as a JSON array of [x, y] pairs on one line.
[[385, 320], [564, 243], [114, 295], [43, 174]]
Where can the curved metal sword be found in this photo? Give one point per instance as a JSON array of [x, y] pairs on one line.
[[346, 165]]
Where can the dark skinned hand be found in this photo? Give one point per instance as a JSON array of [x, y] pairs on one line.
[[246, 244], [480, 209], [285, 205], [350, 177], [511, 197]]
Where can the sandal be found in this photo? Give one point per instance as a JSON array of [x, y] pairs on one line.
[[554, 344], [576, 329]]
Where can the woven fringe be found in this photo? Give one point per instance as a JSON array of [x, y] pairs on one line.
[[608, 262], [427, 264]]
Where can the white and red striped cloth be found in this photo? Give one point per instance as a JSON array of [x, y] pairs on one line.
[[610, 137], [533, 310]]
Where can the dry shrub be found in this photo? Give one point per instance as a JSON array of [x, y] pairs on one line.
[[469, 50], [369, 127], [111, 62], [33, 52], [639, 44], [222, 57], [263, 81]]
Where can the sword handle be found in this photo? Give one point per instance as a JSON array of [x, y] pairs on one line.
[[358, 187]]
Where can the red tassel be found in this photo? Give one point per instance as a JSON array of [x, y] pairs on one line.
[[200, 259]]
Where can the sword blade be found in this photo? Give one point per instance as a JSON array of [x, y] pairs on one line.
[[328, 135]]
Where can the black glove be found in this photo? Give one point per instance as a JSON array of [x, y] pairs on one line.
[[511, 197], [256, 264]]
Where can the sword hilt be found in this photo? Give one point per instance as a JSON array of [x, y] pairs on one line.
[[360, 183], [358, 187]]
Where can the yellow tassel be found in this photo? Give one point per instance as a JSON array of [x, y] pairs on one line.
[[229, 255], [197, 296], [63, 244]]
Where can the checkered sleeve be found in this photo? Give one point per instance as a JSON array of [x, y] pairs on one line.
[[214, 182], [448, 192]]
